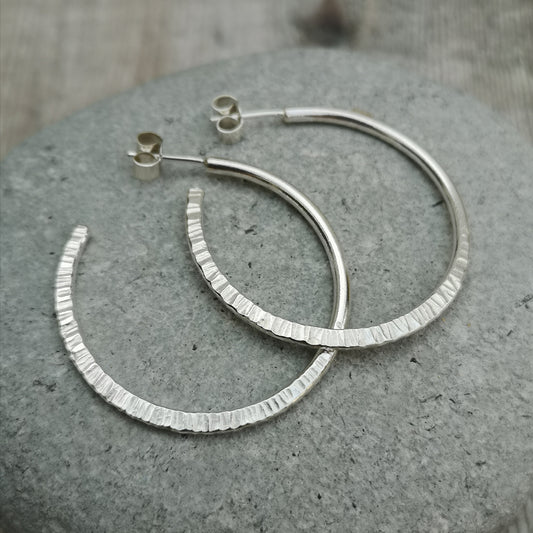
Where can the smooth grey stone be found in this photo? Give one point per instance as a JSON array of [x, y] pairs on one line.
[[430, 434]]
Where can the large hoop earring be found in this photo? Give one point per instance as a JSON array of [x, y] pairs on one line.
[[229, 124], [147, 161]]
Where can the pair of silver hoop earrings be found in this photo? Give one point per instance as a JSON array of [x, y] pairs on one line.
[[229, 122]]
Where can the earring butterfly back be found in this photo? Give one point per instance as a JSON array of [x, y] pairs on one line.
[[413, 321], [147, 160]]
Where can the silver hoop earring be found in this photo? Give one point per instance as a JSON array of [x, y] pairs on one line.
[[229, 124], [147, 161]]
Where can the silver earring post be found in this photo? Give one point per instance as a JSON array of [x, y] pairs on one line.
[[149, 155], [229, 119], [147, 161], [413, 321]]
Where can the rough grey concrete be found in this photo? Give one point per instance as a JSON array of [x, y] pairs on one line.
[[431, 434]]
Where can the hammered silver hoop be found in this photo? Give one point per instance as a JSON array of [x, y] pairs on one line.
[[202, 422], [386, 332]]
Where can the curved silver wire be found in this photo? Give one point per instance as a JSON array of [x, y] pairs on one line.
[[198, 422], [339, 338]]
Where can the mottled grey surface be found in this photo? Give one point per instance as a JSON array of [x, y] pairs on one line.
[[431, 434]]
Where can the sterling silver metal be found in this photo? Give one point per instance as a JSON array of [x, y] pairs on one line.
[[384, 333], [198, 422], [147, 159]]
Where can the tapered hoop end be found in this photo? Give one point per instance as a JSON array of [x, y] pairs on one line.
[[146, 166], [195, 194]]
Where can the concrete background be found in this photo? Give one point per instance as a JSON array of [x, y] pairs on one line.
[[430, 434]]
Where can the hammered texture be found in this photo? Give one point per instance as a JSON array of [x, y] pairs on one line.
[[406, 437], [364, 337], [282, 328], [150, 413]]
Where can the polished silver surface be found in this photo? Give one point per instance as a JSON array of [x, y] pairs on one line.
[[431, 308], [201, 422]]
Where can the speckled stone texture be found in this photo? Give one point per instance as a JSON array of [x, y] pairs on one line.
[[433, 433]]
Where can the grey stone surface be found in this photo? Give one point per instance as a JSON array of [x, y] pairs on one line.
[[431, 434]]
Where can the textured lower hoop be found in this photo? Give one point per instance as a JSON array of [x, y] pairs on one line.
[[384, 333], [198, 422]]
